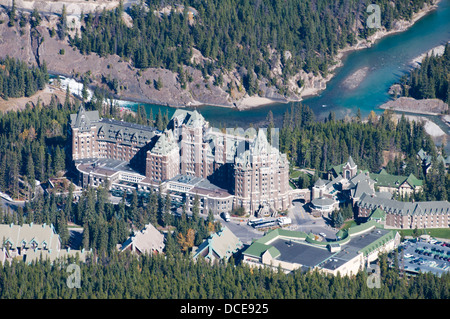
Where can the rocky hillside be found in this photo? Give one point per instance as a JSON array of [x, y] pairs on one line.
[[152, 85]]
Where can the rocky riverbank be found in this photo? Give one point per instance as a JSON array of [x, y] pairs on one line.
[[138, 85], [437, 51], [430, 127], [411, 105]]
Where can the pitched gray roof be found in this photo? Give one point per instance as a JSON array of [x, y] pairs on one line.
[[404, 208], [320, 182], [35, 241], [351, 162], [145, 241], [110, 129], [363, 176], [84, 119], [189, 118], [40, 235], [130, 133], [260, 147], [361, 188], [323, 201], [165, 144]]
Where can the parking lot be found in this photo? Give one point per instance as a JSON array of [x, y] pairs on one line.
[[433, 256]]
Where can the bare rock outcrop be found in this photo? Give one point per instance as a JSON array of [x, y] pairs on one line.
[[408, 104]]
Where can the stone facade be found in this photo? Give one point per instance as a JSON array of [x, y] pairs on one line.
[[407, 215], [244, 166], [93, 137], [247, 166]]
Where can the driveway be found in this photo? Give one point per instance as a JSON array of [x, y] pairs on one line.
[[304, 221], [242, 231]]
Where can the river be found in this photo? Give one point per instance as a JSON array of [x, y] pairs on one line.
[[381, 66]]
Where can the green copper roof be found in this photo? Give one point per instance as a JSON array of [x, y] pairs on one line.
[[274, 252], [414, 181], [388, 180], [337, 169], [379, 242], [256, 249], [378, 214], [281, 232]]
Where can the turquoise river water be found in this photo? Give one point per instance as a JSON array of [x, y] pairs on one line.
[[386, 61]]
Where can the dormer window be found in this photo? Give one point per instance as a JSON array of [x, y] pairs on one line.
[[34, 244]]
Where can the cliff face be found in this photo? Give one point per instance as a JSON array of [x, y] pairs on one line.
[[37, 45], [75, 7]]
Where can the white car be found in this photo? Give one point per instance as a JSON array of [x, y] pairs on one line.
[[323, 234]]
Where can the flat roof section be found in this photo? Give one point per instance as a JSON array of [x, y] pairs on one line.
[[101, 164], [300, 253], [186, 179], [365, 239]]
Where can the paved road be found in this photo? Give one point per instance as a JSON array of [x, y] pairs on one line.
[[11, 205], [244, 232], [301, 221], [304, 221]]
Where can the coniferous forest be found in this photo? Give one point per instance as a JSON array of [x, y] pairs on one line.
[[17, 79], [178, 276], [317, 145], [430, 80], [109, 274], [232, 34], [33, 146]]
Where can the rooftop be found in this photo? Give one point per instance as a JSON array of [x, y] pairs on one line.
[[300, 253], [323, 201], [298, 247], [403, 208], [385, 179], [221, 244], [104, 166], [147, 240]]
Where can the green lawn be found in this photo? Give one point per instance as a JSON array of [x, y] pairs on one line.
[[348, 224], [295, 174], [435, 232]]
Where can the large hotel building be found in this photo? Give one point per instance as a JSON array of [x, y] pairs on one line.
[[189, 158]]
